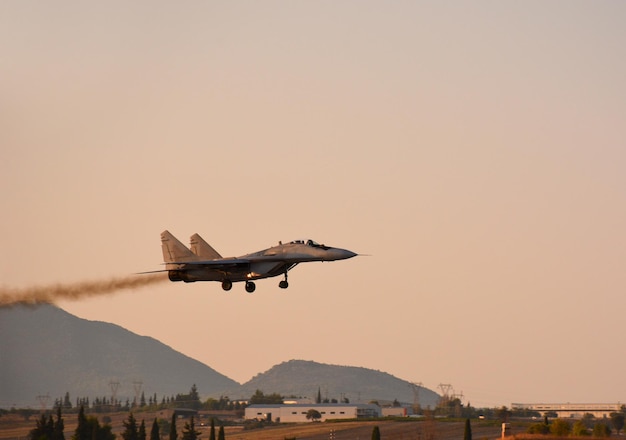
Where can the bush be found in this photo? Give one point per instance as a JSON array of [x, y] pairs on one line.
[[601, 430], [538, 428], [580, 429], [560, 428]]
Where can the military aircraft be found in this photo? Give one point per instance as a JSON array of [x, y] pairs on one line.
[[203, 263]]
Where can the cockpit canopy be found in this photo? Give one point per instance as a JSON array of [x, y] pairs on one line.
[[309, 243]]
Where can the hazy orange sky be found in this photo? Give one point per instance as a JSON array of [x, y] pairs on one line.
[[476, 149]]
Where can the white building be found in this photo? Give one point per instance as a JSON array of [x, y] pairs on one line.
[[571, 410], [297, 413], [395, 411]]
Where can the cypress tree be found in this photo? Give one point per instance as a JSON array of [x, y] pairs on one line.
[[142, 431], [467, 435], [59, 427], [190, 433], [49, 427], [173, 433], [220, 434], [83, 430], [212, 433], [154, 432], [376, 433], [41, 429], [130, 428]]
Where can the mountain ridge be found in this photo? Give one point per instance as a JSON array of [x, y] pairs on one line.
[[45, 350], [303, 379]]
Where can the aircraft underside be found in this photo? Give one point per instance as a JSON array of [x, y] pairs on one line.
[[228, 277]]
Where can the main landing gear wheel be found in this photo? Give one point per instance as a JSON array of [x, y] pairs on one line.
[[284, 284], [250, 286], [227, 285]]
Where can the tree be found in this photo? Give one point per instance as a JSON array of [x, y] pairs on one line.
[[319, 396], [189, 431], [155, 432], [467, 434], [173, 433], [560, 428], [376, 433], [617, 420], [538, 428], [212, 432], [260, 398], [50, 427], [130, 428], [59, 427], [601, 430], [194, 398], [588, 419], [313, 415], [221, 435], [580, 429], [100, 432], [142, 431], [42, 430], [89, 428], [83, 431], [503, 414]]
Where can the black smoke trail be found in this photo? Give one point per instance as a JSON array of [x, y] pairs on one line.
[[48, 294]]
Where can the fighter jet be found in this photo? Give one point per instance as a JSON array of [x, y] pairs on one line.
[[203, 263]]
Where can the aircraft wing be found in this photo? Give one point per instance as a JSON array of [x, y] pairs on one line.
[[213, 264], [210, 264]]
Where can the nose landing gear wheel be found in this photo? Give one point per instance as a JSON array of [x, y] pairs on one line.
[[250, 286], [284, 284], [227, 285]]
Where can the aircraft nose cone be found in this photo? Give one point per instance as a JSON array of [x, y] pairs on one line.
[[341, 254]]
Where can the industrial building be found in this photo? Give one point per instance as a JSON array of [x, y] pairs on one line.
[[296, 413], [571, 410]]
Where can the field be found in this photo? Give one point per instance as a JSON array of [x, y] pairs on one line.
[[402, 430], [14, 427]]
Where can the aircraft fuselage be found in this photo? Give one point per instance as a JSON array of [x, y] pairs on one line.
[[184, 265]]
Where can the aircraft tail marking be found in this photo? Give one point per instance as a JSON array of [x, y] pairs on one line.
[[174, 250], [203, 249]]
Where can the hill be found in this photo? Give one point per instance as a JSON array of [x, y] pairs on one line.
[[45, 350], [304, 378]]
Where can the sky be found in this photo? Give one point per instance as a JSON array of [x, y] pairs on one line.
[[475, 150]]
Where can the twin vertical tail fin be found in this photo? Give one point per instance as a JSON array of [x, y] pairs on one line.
[[203, 249], [174, 251]]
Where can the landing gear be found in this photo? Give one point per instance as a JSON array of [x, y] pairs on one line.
[[284, 284], [250, 286], [227, 285]]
